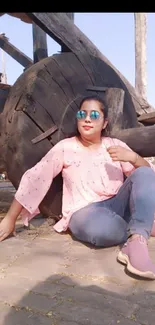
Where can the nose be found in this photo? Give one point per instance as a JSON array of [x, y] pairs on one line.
[[87, 119]]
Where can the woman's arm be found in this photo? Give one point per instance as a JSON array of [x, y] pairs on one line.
[[129, 159], [136, 160], [33, 187]]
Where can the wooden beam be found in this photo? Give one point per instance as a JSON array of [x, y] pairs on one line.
[[39, 43], [70, 15], [140, 139], [20, 15], [148, 118], [63, 31], [15, 53]]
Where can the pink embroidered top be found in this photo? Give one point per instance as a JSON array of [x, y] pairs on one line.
[[88, 176]]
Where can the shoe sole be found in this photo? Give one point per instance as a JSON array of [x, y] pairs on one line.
[[123, 258]]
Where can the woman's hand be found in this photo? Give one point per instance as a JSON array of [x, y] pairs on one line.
[[118, 153], [7, 226]]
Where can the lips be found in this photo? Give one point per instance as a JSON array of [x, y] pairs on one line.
[[87, 127]]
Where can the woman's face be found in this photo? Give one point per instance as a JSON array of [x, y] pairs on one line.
[[90, 120]]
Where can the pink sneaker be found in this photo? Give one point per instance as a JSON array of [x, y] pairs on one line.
[[135, 255], [153, 230]]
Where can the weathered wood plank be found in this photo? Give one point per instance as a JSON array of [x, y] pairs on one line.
[[71, 69], [3, 96], [141, 139], [19, 15], [115, 99], [45, 95], [62, 29], [45, 135], [20, 150], [39, 43], [30, 104], [38, 114], [148, 118], [70, 15], [17, 91], [15, 53]]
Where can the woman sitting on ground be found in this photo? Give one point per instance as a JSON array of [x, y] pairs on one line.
[[99, 206]]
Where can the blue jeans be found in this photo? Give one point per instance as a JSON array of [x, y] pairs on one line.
[[111, 222]]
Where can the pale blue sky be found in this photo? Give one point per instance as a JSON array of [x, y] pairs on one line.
[[112, 33]]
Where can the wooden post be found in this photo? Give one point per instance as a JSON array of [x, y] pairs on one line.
[[115, 101], [70, 15], [140, 52], [4, 76], [39, 44]]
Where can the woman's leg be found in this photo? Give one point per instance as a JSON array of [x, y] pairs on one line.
[[137, 198], [102, 223], [139, 188], [99, 226]]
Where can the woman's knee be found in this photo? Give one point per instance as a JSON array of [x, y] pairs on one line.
[[109, 229], [144, 172], [109, 235], [109, 239]]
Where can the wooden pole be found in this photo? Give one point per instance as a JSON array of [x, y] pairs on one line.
[[39, 43], [4, 76], [140, 53]]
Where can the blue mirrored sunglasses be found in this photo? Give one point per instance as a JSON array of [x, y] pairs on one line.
[[94, 115]]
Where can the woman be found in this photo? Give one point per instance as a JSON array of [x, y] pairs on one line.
[[99, 207]]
